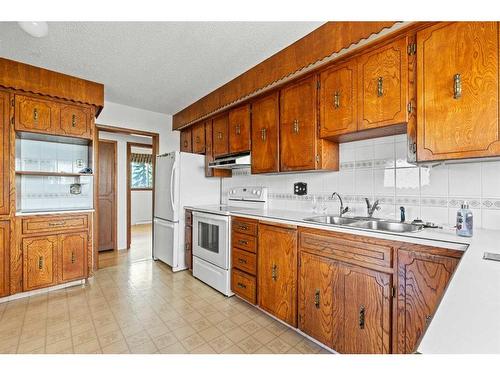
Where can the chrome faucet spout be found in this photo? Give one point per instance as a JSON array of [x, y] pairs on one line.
[[370, 208], [342, 210]]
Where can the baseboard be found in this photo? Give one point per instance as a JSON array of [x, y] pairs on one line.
[[41, 291]]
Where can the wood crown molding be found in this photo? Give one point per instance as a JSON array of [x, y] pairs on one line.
[[321, 43], [19, 76]]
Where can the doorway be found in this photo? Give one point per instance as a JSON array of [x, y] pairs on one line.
[[107, 195]]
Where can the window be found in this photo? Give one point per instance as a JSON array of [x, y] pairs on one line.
[[141, 171]]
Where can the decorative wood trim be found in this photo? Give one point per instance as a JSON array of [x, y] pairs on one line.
[[28, 78]]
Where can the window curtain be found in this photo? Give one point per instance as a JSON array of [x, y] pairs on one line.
[[141, 158]]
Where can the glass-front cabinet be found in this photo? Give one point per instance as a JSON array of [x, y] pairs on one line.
[[53, 173]]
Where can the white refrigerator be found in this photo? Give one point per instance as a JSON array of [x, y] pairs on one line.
[[179, 181]]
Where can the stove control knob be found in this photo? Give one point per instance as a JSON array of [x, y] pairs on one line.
[[254, 192], [259, 192]]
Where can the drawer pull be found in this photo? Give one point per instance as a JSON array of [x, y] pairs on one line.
[[57, 224], [73, 120], [362, 317], [238, 129], [274, 272], [197, 139], [457, 86], [40, 262], [73, 258], [243, 242], [296, 126], [243, 227], [185, 143], [263, 134], [380, 86], [336, 100], [242, 286], [35, 114], [240, 260], [316, 298], [219, 135]]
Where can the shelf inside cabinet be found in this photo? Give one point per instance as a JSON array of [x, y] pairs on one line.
[[57, 174]]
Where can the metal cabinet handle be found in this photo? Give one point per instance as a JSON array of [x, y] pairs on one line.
[[197, 139], [457, 86], [219, 135], [57, 224], [296, 126], [185, 143], [40, 262], [73, 258], [428, 319], [243, 227], [238, 129], [336, 100], [362, 317], [263, 134], [243, 242], [274, 272], [242, 286], [316, 298], [243, 261], [73, 121], [35, 114], [380, 86]]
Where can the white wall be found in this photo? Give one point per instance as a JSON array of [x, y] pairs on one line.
[[377, 169], [124, 116]]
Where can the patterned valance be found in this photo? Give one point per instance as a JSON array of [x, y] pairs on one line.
[[140, 158]]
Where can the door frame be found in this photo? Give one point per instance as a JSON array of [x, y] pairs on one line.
[[129, 189], [115, 193], [127, 131]]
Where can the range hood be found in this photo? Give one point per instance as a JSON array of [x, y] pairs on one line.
[[231, 162]]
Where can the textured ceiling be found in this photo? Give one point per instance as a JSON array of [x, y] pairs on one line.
[[158, 66]]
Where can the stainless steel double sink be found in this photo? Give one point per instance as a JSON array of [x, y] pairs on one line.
[[367, 223]]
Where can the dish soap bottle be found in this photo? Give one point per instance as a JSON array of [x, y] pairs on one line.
[[464, 220]]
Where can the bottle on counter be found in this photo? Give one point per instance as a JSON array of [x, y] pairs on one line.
[[464, 220]]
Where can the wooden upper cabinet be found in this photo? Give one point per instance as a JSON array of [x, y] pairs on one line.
[[36, 115], [277, 271], [220, 144], [457, 91], [383, 86], [298, 126], [315, 300], [4, 258], [4, 154], [239, 129], [422, 280], [39, 262], [75, 121], [209, 154], [73, 259], [199, 138], [365, 298], [265, 136], [186, 140], [338, 100]]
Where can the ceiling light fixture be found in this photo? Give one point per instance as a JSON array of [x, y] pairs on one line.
[[35, 29]]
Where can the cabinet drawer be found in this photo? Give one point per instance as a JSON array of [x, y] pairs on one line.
[[244, 242], [245, 226], [244, 286], [347, 248], [44, 224], [244, 261]]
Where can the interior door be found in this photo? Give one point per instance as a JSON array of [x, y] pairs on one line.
[[107, 195]]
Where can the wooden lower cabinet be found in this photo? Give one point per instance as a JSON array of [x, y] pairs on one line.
[[188, 239], [277, 271], [4, 258], [422, 280], [73, 258], [39, 261]]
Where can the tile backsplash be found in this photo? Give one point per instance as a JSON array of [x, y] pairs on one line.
[[377, 169]]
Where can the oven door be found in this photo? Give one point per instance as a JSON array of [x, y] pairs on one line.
[[211, 238]]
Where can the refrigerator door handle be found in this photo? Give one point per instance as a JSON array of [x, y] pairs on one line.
[[172, 179]]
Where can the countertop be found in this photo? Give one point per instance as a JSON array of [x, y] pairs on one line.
[[468, 317]]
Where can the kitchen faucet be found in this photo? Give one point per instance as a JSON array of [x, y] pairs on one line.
[[371, 208], [342, 209]]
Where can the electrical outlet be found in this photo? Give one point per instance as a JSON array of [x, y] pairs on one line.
[[300, 188]]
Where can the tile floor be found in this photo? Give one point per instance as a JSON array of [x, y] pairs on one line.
[[142, 307]]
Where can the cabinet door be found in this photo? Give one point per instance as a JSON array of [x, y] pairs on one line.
[[199, 138], [239, 129], [277, 272], [209, 154], [186, 140], [4, 258], [39, 262], [383, 86], [4, 154], [457, 91], [366, 299], [298, 126], [338, 99], [220, 145], [422, 280], [75, 121], [265, 121], [35, 115], [315, 301], [188, 243], [73, 256]]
